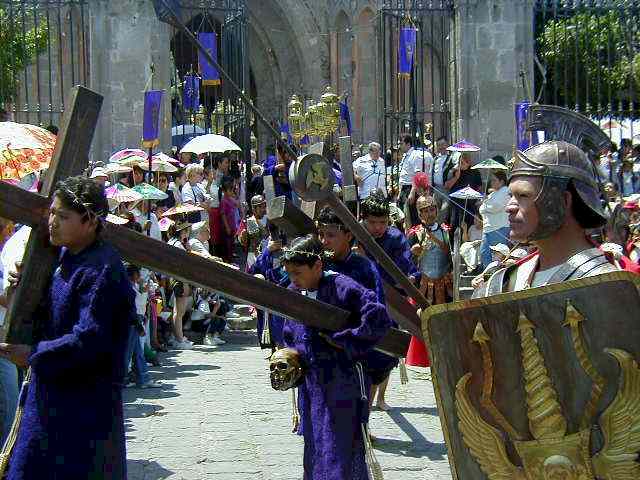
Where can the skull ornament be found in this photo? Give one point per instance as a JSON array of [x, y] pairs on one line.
[[286, 369]]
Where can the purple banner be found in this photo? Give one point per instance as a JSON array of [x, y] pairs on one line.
[[523, 137], [151, 118], [406, 50], [191, 92], [209, 73]]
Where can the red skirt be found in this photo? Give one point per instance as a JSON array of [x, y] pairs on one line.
[[417, 355]]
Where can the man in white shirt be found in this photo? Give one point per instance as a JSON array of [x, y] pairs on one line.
[[413, 161], [370, 172], [199, 241]]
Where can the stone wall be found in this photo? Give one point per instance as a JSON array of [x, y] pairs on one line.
[[126, 39], [493, 42]]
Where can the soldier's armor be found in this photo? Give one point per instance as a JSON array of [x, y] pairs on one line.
[[583, 264], [256, 233]]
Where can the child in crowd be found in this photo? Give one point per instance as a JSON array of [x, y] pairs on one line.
[[333, 396]]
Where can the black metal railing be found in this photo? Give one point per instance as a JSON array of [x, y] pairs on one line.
[[588, 57], [43, 52], [221, 110], [419, 102]]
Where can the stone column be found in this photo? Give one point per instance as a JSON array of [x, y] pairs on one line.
[[493, 41], [126, 38]]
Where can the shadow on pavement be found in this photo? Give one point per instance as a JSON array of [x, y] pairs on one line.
[[147, 470], [417, 446], [423, 410]]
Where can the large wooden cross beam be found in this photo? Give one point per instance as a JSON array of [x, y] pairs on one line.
[[70, 157], [32, 209]]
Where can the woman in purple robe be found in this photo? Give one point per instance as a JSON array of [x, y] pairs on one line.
[[333, 394], [73, 426]]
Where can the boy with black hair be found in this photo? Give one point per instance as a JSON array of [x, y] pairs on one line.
[[332, 397], [72, 424]]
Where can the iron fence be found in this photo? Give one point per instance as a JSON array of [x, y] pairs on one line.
[[43, 52], [221, 110], [419, 102], [588, 58]]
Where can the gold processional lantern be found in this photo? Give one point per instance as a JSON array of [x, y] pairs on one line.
[[322, 126], [331, 108], [311, 121], [296, 118]]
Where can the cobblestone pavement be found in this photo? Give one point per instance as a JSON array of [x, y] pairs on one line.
[[217, 418]]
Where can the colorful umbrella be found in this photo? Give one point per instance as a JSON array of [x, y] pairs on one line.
[[158, 166], [134, 159], [210, 143], [120, 193], [127, 152], [24, 149], [113, 168], [116, 220], [489, 164], [464, 146], [182, 209], [149, 192], [166, 158], [467, 193], [165, 223]]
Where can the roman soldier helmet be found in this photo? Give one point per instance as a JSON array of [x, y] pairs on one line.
[[257, 200], [560, 165], [425, 201]]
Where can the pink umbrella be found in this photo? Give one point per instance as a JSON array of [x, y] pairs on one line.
[[119, 193], [464, 146], [127, 152]]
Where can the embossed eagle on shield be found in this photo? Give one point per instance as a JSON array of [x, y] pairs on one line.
[[541, 384]]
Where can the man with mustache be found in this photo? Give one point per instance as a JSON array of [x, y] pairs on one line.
[[554, 201]]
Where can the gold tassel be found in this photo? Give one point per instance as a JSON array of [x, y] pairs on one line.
[[265, 339], [404, 377], [15, 426], [373, 466], [295, 414]]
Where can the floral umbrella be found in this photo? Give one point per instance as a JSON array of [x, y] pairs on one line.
[[24, 149], [166, 158], [116, 220], [127, 152], [133, 159], [489, 164], [182, 209], [120, 193], [464, 146], [149, 192], [158, 166], [113, 168]]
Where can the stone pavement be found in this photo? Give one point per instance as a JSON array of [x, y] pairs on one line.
[[218, 419]]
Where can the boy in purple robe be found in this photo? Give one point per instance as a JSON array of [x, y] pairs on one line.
[[72, 425], [269, 265], [375, 216], [333, 394]]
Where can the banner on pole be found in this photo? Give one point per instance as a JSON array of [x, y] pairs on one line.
[[208, 72], [406, 50], [151, 118]]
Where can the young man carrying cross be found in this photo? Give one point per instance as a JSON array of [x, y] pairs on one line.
[[72, 424]]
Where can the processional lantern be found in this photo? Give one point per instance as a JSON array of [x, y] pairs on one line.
[[296, 118], [331, 108]]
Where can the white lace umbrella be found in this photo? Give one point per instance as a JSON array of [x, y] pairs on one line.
[[210, 143]]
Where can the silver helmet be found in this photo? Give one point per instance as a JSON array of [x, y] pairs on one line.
[[560, 164]]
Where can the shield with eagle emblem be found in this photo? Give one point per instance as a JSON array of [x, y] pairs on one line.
[[541, 384]]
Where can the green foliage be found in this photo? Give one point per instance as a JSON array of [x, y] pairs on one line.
[[20, 44], [591, 59]]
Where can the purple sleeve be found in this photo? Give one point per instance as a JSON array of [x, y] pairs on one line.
[[402, 257], [91, 339], [372, 324]]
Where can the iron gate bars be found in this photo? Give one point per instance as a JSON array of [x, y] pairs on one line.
[[44, 51], [588, 57], [424, 97]]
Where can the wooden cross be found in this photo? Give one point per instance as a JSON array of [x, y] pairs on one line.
[[283, 213], [69, 157], [349, 187]]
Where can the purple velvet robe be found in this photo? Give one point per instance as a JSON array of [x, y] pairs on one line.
[[73, 424], [273, 272], [364, 271], [395, 244], [330, 398]]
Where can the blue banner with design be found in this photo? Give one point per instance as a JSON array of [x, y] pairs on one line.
[[191, 92], [208, 72], [406, 50], [523, 137], [151, 118]]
